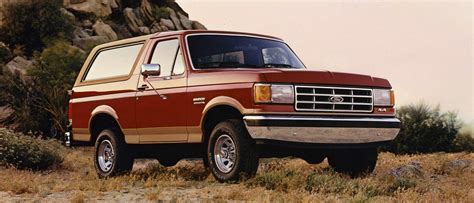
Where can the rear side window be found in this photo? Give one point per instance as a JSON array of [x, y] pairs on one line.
[[114, 62]]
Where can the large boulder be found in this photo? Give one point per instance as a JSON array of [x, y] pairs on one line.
[[19, 64], [98, 7], [102, 29]]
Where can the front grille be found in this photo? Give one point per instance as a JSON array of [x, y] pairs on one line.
[[333, 99]]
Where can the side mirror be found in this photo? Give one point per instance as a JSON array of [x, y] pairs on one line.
[[150, 70]]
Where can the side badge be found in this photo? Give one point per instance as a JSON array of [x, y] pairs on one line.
[[199, 100]]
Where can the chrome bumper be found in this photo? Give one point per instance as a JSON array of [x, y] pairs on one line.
[[322, 130], [67, 139]]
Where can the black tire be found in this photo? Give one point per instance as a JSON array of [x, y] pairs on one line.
[[245, 156], [314, 159], [355, 162], [168, 161], [122, 159]]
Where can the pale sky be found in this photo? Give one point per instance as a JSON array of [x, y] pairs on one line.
[[424, 48]]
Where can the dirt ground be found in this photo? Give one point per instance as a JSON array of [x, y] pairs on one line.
[[432, 177]]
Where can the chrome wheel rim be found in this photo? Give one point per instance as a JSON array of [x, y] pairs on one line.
[[224, 153], [106, 156]]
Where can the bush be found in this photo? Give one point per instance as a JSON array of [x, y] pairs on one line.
[[42, 94], [27, 152], [424, 129], [464, 141], [32, 24]]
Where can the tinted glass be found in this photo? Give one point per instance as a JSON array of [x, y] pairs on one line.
[[178, 68], [165, 55], [113, 62], [216, 51]]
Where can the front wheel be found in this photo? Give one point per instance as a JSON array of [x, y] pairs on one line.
[[111, 155], [354, 162], [231, 152]]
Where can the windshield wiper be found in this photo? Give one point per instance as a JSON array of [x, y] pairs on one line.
[[277, 65]]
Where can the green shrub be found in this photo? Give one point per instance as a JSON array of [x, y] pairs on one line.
[[464, 141], [42, 94], [424, 129], [161, 12], [32, 24], [27, 152]]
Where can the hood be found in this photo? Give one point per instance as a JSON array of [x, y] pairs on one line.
[[305, 76]]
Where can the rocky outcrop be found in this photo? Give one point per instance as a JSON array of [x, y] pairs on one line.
[[149, 18], [99, 8], [19, 64]]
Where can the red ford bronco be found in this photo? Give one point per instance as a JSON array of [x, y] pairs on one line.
[[227, 97]]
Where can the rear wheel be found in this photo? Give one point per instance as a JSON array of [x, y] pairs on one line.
[[111, 155], [354, 162], [231, 152]]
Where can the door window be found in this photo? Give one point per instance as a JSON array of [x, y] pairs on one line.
[[168, 55]]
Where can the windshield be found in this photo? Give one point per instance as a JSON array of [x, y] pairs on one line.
[[220, 51]]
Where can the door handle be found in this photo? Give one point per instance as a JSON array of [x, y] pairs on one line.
[[143, 87]]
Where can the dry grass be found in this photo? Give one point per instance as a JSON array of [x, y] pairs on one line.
[[436, 177]]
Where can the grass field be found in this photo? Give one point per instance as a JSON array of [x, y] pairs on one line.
[[431, 177]]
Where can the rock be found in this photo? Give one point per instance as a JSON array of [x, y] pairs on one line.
[[102, 29], [132, 21], [146, 10], [187, 24], [175, 19], [410, 170], [100, 8], [90, 32], [5, 53], [155, 27], [68, 14], [168, 23], [144, 30], [5, 112], [454, 166], [80, 33], [87, 24], [19, 64], [87, 43], [198, 26]]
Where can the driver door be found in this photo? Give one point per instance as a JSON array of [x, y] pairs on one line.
[[161, 119]]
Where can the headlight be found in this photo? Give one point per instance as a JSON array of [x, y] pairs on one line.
[[384, 97], [272, 93]]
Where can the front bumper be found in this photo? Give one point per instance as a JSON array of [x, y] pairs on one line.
[[322, 130]]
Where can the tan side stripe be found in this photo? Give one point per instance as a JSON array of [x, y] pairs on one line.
[[104, 97]]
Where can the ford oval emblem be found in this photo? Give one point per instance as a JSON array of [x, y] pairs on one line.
[[336, 99]]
